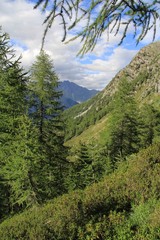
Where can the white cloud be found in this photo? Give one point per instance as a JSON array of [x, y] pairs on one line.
[[95, 71], [107, 68]]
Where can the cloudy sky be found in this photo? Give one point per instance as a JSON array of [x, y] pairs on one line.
[[93, 71]]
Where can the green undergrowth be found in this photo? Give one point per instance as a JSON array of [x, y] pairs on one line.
[[124, 206]]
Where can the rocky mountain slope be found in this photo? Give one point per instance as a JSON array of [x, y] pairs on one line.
[[90, 118], [144, 67]]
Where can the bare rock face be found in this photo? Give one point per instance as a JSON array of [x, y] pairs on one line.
[[144, 69]]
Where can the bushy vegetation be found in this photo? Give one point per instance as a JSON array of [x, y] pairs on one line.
[[125, 205]]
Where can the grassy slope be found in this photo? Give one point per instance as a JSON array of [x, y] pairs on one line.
[[99, 132], [85, 115], [94, 133], [125, 205]]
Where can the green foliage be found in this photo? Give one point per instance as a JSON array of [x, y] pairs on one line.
[[124, 136], [85, 114], [13, 92], [21, 166], [125, 205], [81, 170], [44, 95], [150, 121], [32, 158], [102, 16], [87, 166], [116, 199], [45, 112], [141, 78]]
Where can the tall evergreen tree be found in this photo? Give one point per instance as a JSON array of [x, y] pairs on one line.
[[12, 107], [32, 156], [45, 112], [12, 89], [150, 125], [82, 168], [124, 136], [22, 166]]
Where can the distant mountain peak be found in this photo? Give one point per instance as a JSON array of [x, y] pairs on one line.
[[74, 94]]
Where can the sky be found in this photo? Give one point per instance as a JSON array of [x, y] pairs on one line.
[[94, 71]]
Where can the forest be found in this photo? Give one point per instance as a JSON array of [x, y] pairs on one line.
[[106, 189]]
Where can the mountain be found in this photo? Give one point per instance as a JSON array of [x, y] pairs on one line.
[[67, 102], [88, 120], [74, 94]]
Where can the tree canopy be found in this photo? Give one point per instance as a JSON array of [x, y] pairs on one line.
[[32, 157], [45, 112], [100, 16]]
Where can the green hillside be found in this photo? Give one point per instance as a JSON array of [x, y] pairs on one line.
[[143, 73], [124, 205]]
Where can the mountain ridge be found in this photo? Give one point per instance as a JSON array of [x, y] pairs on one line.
[[142, 72], [74, 94]]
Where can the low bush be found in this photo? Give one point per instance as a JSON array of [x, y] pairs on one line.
[[125, 205]]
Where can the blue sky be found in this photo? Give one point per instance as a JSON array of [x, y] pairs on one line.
[[94, 70]]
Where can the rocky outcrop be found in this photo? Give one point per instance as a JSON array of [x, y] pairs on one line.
[[144, 69]]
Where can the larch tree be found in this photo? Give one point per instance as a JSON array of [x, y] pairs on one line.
[[20, 155], [45, 111], [12, 88], [124, 129], [22, 168], [81, 169], [102, 16], [13, 91], [150, 122]]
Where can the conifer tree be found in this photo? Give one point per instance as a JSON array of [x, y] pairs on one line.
[[45, 112], [150, 122], [12, 107], [22, 166], [12, 89], [102, 16], [101, 164], [81, 170], [124, 136], [32, 156]]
